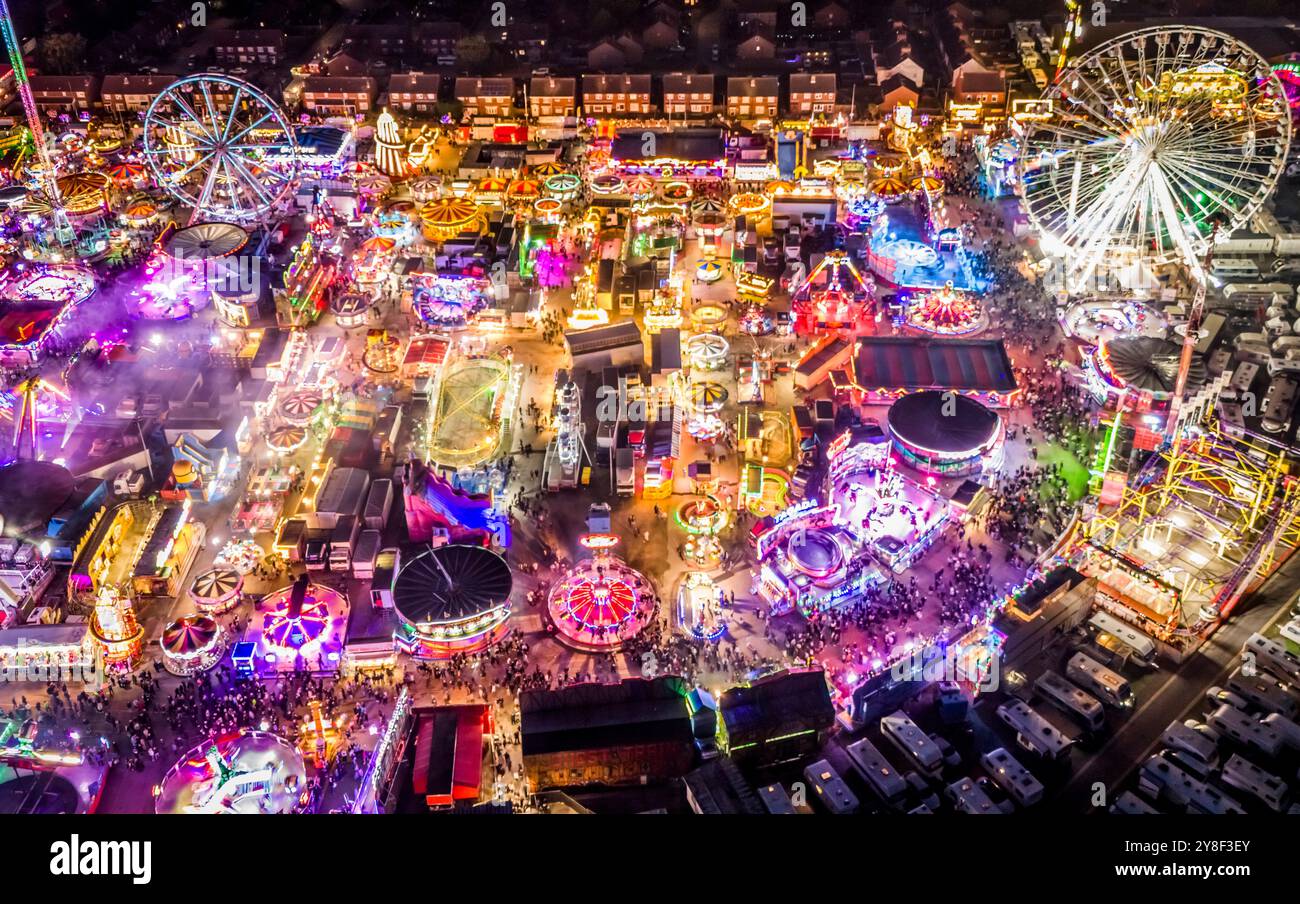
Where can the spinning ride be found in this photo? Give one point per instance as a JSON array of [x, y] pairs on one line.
[[192, 644], [600, 603], [947, 312], [945, 434], [243, 772], [217, 590], [452, 599]]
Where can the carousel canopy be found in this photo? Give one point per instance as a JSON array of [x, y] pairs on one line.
[[889, 187], [942, 422], [217, 583], [551, 168], [451, 583], [448, 211], [1151, 364], [126, 172], [286, 437], [206, 241], [524, 188], [82, 183], [301, 403], [189, 635]]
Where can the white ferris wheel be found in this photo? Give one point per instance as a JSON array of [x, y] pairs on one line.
[[220, 146], [1158, 141]]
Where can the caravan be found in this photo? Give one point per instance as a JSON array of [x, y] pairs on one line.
[[830, 788], [1071, 700], [883, 778], [1161, 778], [1013, 778], [1130, 642], [1033, 732], [1111, 688]]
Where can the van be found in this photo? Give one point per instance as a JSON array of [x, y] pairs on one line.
[[1108, 686], [793, 245], [1039, 77]]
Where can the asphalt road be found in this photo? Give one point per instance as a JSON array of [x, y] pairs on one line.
[[1179, 694]]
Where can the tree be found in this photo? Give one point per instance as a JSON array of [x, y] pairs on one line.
[[63, 52], [473, 50]]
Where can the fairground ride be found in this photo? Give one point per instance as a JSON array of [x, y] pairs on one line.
[[63, 231]]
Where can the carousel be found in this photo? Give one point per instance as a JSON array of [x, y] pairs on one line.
[[299, 406], [192, 644], [707, 397], [563, 186], [283, 439], [216, 590], [707, 351], [446, 218]]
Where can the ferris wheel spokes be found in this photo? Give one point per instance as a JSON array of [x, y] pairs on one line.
[[1159, 139], [218, 160]]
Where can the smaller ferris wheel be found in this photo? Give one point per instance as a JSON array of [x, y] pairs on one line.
[[221, 147]]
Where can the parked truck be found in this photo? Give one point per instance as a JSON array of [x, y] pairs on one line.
[[379, 503], [625, 471]]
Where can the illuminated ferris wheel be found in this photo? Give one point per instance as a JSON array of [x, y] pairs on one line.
[[220, 146], [1157, 141]]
